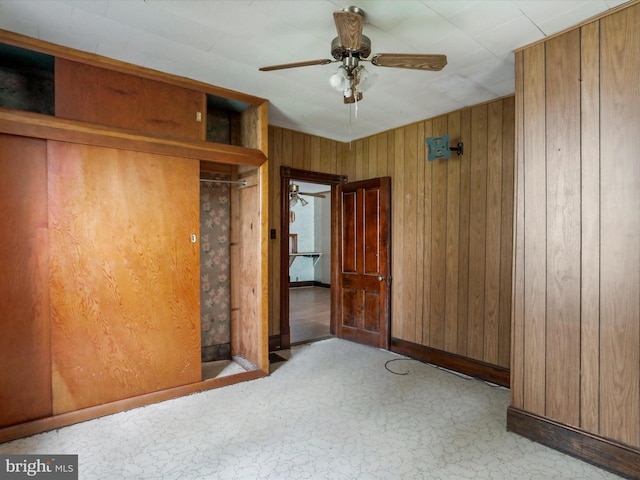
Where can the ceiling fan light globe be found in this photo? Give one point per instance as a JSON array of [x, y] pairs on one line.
[[338, 82], [340, 79], [366, 80]]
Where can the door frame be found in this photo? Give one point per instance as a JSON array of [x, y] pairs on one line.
[[286, 175]]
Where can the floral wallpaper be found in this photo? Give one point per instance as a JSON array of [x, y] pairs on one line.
[[215, 310]]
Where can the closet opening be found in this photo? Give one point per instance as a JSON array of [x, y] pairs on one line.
[[224, 344]]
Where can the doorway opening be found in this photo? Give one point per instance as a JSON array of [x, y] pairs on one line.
[[307, 246], [309, 261]]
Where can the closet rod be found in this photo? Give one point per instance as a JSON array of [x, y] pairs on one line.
[[237, 182]]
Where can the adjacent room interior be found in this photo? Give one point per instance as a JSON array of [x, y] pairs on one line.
[[309, 261]]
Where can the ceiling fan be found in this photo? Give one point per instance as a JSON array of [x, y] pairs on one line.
[[295, 195], [351, 48]]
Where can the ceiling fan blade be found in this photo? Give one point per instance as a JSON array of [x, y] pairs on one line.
[[410, 60], [309, 194], [349, 26], [322, 61]]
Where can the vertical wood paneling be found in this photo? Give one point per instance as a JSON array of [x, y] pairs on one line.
[[477, 232], [410, 221], [534, 229], [463, 256], [297, 150], [25, 349], [326, 158], [350, 166], [363, 171], [452, 243], [360, 160], [420, 220], [493, 229], [334, 155], [590, 261], [517, 334], [620, 226], [277, 144], [506, 229], [284, 156], [124, 283], [382, 159], [401, 326], [314, 154], [372, 157], [409, 268], [306, 152], [438, 242], [391, 148], [563, 227], [576, 322], [425, 321], [355, 165]]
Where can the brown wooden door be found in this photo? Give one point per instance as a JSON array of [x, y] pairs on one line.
[[25, 353], [125, 315], [364, 262]]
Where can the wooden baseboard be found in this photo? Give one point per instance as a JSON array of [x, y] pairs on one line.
[[468, 366], [279, 342], [607, 454], [274, 342], [65, 419]]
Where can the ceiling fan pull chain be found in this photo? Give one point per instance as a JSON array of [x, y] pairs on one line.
[[356, 102], [350, 136]]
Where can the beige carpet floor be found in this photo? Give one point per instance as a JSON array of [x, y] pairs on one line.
[[333, 410]]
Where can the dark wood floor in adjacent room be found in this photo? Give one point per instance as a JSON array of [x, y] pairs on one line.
[[309, 313]]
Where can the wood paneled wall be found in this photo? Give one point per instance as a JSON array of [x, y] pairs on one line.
[[452, 224], [452, 229], [576, 342]]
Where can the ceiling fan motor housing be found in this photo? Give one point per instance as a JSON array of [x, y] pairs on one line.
[[339, 52]]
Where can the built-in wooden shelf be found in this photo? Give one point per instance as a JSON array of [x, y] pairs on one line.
[[315, 255]]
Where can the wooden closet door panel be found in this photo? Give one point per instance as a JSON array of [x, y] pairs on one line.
[[124, 274], [98, 95], [25, 357]]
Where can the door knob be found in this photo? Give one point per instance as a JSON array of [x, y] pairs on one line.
[[380, 278]]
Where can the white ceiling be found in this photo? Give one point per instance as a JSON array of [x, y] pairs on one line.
[[224, 43]]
